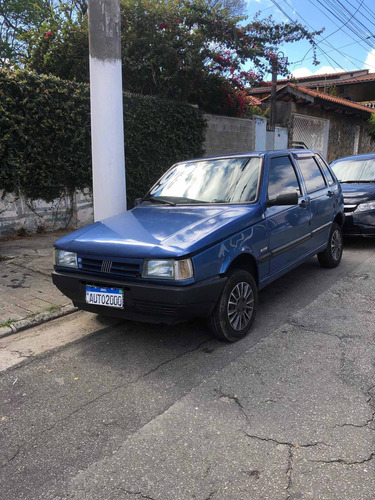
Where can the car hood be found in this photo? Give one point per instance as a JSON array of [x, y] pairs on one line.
[[354, 194], [147, 231]]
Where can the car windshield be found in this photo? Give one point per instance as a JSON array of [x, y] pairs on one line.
[[226, 180], [355, 170]]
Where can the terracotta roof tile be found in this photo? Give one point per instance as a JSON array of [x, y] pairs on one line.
[[325, 75], [359, 79], [370, 77], [254, 101], [326, 97]]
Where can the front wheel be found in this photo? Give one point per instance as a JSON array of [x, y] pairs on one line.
[[331, 256], [236, 308]]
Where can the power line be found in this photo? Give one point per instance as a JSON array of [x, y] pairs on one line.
[[294, 22], [347, 57], [334, 50], [348, 11], [336, 13], [333, 21], [368, 10]]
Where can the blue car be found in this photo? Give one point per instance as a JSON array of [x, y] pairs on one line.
[[357, 177], [206, 237]]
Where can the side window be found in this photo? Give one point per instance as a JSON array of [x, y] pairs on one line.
[[314, 179], [282, 177], [324, 167]]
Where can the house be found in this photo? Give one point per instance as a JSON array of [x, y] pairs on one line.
[[315, 113]]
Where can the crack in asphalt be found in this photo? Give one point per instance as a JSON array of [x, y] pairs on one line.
[[289, 471], [211, 495], [235, 399], [12, 457], [320, 332], [207, 471], [285, 443], [136, 493], [114, 389], [345, 462]]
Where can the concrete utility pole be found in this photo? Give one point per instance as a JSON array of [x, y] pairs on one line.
[[279, 58], [273, 93], [107, 122]]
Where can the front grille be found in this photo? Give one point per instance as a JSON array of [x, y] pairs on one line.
[[155, 308], [130, 268], [349, 208]]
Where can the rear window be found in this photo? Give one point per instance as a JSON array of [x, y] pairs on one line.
[[312, 174]]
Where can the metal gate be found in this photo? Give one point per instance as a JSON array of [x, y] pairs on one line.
[[311, 131]]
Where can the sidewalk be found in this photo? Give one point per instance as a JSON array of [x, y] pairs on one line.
[[27, 294]]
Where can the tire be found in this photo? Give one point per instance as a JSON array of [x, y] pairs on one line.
[[235, 311], [331, 256]]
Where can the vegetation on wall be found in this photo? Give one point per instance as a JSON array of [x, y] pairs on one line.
[[371, 129], [45, 149]]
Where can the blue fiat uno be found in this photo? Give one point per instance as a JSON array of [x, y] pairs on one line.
[[206, 237]]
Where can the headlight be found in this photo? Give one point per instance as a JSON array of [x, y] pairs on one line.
[[365, 207], [168, 269], [65, 259]]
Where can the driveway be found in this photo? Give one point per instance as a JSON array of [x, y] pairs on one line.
[[122, 410]]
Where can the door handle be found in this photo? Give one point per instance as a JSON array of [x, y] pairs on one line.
[[304, 202]]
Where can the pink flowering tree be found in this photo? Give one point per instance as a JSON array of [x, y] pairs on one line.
[[197, 52]]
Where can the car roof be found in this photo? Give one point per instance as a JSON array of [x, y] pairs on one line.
[[260, 154], [368, 156]]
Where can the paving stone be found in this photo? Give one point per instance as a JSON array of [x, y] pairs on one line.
[[25, 277]]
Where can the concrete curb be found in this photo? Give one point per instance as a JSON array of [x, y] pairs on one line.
[[38, 319]]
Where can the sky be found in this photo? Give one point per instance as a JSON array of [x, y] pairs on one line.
[[347, 43]]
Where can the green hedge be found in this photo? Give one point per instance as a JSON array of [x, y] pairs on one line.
[[45, 149]]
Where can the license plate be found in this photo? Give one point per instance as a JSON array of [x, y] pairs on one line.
[[103, 296]]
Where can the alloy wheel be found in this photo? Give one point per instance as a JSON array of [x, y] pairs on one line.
[[240, 306], [336, 244]]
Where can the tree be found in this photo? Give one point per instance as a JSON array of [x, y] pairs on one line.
[[194, 51], [16, 17], [59, 44], [234, 7], [371, 129]]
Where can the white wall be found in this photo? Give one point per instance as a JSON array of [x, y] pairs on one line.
[[227, 135], [18, 214]]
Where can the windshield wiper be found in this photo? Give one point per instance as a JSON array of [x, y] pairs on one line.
[[157, 199]]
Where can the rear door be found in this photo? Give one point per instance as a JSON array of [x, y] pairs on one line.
[[321, 196], [288, 226]]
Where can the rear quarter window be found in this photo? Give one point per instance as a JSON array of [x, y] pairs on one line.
[[312, 174], [325, 169]]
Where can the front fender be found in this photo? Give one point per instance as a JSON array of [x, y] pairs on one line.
[[217, 259]]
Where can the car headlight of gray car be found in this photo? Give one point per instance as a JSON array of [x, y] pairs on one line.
[[168, 269], [366, 207], [65, 259]]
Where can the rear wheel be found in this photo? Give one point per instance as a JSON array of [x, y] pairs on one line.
[[236, 308], [331, 256]]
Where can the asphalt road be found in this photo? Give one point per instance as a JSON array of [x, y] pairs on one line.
[[141, 411]]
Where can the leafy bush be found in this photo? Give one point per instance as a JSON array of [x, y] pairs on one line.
[[371, 129], [45, 149]]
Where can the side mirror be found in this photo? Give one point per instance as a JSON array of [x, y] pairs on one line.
[[137, 201], [284, 199]]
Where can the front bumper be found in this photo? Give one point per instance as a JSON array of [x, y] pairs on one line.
[[144, 301], [359, 224]]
